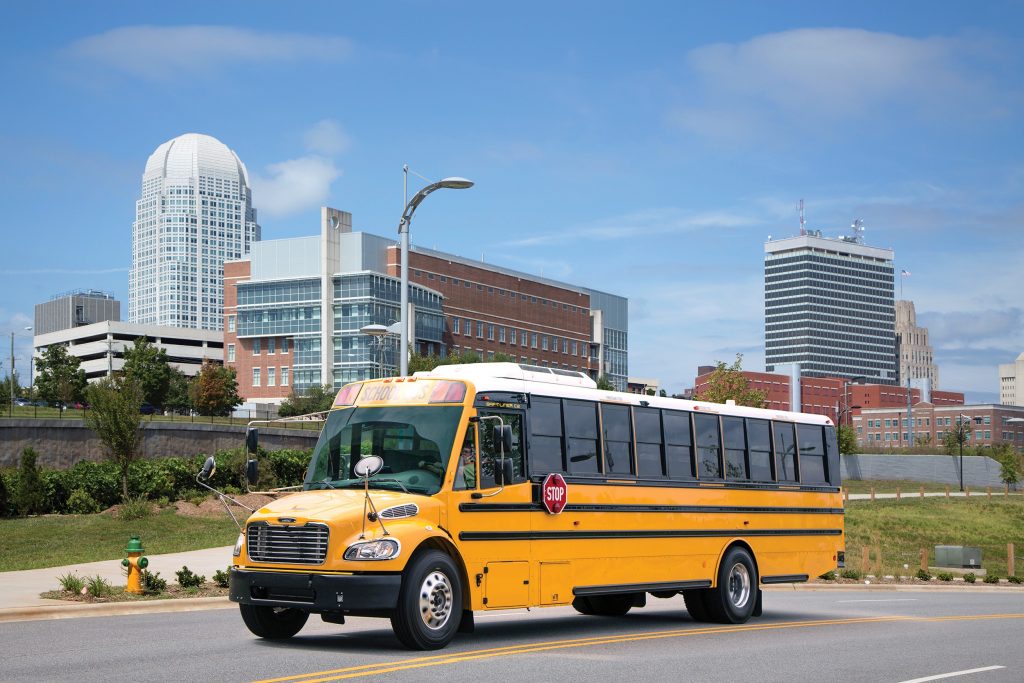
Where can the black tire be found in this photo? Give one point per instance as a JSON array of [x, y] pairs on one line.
[[733, 600], [695, 603], [604, 605], [273, 623], [429, 603]]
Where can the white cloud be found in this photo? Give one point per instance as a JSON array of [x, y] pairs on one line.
[[294, 185], [327, 137], [160, 52]]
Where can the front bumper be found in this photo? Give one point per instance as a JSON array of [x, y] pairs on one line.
[[316, 592]]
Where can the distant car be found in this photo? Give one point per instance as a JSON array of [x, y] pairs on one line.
[[147, 409], [40, 403], [22, 402]]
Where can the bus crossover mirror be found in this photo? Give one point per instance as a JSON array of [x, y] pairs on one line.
[[503, 472], [252, 439], [209, 467], [502, 435], [252, 471]]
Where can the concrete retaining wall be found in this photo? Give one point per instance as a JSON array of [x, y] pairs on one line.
[[62, 443], [941, 469]]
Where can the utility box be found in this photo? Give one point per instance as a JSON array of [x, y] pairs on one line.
[[958, 556]]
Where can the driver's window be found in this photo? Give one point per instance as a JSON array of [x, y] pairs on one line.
[[489, 451], [465, 472]]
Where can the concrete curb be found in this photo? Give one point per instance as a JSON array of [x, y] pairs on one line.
[[909, 587], [110, 609]]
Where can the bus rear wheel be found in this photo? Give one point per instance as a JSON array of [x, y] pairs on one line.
[[733, 600], [273, 623], [604, 605], [429, 603], [696, 603]]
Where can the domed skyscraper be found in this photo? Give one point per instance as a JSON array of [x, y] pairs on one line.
[[195, 212]]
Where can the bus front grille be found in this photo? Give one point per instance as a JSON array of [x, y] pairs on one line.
[[305, 544]]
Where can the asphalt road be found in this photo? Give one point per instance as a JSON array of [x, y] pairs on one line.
[[804, 636]]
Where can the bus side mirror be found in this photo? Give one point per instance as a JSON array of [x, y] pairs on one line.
[[252, 471], [502, 435], [209, 467], [252, 439], [504, 473]]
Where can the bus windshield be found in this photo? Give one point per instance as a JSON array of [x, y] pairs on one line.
[[415, 443]]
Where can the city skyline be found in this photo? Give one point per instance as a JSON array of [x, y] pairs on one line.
[[648, 151]]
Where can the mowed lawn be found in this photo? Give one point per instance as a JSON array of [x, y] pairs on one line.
[[900, 528], [57, 540]]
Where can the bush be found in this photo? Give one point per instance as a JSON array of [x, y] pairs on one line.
[[991, 578], [944, 576], [135, 507], [6, 506], [924, 575], [1013, 579], [98, 587], [152, 583], [969, 577], [850, 573], [828, 576], [81, 503], [72, 583], [222, 578], [188, 579], [29, 499]]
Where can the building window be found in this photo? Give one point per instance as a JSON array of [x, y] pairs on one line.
[[574, 348], [271, 376], [544, 342], [231, 323], [479, 329], [512, 336], [271, 350], [490, 332], [467, 327], [231, 353], [565, 346], [284, 375], [255, 377], [256, 347], [284, 346], [501, 334], [455, 325], [533, 340]]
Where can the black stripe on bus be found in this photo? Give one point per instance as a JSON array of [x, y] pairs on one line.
[[642, 533], [641, 587], [581, 507], [785, 578]]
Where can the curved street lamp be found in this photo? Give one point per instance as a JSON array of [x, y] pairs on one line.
[[453, 183]]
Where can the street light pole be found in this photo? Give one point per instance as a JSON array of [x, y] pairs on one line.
[[453, 183]]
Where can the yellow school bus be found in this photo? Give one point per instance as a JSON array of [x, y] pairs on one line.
[[497, 485]]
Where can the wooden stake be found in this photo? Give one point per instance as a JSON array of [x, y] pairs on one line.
[[922, 492], [1011, 560], [947, 492], [897, 493], [924, 559], [988, 490], [967, 490], [872, 493]]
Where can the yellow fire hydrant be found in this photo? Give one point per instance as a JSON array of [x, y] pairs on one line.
[[135, 563]]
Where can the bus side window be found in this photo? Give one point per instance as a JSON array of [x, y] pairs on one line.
[[465, 470], [489, 450], [785, 451], [546, 436], [709, 446]]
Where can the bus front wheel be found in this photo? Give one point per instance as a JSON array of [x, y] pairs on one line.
[[273, 623], [733, 600], [429, 602]]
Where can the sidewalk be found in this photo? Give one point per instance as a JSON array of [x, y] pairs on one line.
[[914, 493], [19, 591]]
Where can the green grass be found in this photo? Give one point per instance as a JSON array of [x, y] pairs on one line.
[[901, 528], [57, 540], [889, 486]]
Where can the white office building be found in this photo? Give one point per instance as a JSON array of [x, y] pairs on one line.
[[1011, 382], [195, 212]]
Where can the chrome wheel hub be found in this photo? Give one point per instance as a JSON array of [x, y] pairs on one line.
[[739, 585], [436, 600]]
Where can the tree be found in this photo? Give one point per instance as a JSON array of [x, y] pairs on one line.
[[29, 499], [605, 384], [5, 388], [147, 366], [727, 382], [114, 416], [313, 399], [59, 379], [177, 391], [1009, 463], [847, 439], [214, 391]]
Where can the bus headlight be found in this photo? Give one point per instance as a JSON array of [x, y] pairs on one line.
[[238, 545], [382, 549]]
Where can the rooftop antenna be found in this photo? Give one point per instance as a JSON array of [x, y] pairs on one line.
[[803, 223], [858, 230]]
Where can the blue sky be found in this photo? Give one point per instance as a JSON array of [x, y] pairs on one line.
[[645, 149]]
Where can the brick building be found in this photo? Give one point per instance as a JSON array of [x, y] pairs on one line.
[[988, 425]]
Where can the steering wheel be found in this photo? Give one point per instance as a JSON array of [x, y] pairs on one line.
[[417, 477]]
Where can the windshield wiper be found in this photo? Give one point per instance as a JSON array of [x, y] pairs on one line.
[[326, 481], [374, 480]]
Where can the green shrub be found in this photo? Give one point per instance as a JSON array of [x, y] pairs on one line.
[[98, 587], [72, 583], [29, 499], [969, 577], [1013, 579], [850, 573], [135, 507], [188, 579], [828, 576], [81, 503], [944, 576], [222, 578], [924, 575], [152, 583], [991, 578], [6, 506]]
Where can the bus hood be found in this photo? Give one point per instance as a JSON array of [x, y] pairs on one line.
[[338, 506]]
